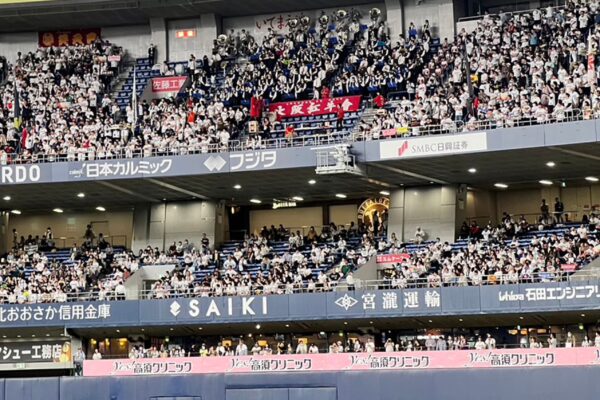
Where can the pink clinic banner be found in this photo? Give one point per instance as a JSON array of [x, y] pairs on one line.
[[422, 360]]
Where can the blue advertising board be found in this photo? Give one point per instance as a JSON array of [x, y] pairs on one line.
[[382, 303]]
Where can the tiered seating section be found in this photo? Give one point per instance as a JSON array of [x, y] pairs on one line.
[[533, 256], [144, 74], [527, 68]]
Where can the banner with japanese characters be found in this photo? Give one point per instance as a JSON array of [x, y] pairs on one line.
[[309, 108], [430, 146], [183, 164], [335, 305], [261, 24], [17, 352], [426, 360], [168, 84], [79, 37], [392, 258], [82, 314]]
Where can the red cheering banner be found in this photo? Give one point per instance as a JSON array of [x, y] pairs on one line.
[[419, 360], [315, 107], [168, 84], [80, 37], [392, 258]]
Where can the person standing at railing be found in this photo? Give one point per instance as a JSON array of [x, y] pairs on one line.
[[586, 342], [490, 342], [78, 359], [241, 349], [552, 342], [97, 355], [441, 344], [559, 209], [545, 210], [480, 344]]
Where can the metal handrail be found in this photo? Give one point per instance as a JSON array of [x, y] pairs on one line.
[[324, 350], [234, 145], [64, 242], [341, 286], [301, 141], [476, 17], [471, 126]]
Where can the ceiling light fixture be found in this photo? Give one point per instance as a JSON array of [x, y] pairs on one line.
[[384, 193], [100, 208], [6, 198], [312, 182], [551, 164], [237, 187], [501, 185], [340, 196], [81, 195], [587, 178], [472, 170], [16, 212], [298, 198], [546, 182], [58, 210], [255, 201]]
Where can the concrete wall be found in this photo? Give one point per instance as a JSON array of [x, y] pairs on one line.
[[158, 225], [206, 31], [257, 25], [549, 383], [440, 14], [433, 208], [343, 214], [11, 43], [481, 206], [115, 224], [135, 38], [295, 218], [484, 206]]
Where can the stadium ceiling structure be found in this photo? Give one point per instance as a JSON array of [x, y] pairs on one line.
[[519, 169]]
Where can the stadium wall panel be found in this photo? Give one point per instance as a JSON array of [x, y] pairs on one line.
[[133, 38], [498, 384], [32, 389]]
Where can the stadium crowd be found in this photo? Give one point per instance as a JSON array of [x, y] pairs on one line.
[[492, 255], [254, 268], [276, 261], [523, 68], [59, 101], [527, 67], [93, 270]]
